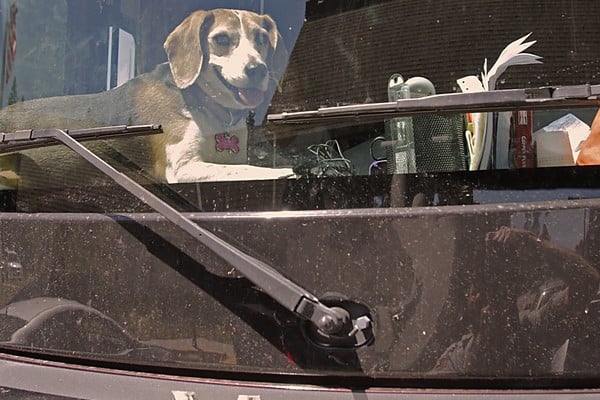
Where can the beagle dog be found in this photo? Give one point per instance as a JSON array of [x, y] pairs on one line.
[[222, 64]]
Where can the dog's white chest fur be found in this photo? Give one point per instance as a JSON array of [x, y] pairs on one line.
[[198, 155], [186, 164]]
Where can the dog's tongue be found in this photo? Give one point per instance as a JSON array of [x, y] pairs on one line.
[[251, 97]]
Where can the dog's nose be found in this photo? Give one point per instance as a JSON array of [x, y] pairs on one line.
[[256, 72]]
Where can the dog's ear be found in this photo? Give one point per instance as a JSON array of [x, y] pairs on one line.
[[271, 28], [278, 56], [184, 48], [277, 60]]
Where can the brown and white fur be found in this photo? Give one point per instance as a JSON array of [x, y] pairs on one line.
[[221, 64]]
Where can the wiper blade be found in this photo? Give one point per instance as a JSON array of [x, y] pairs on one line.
[[29, 139], [331, 321], [497, 100]]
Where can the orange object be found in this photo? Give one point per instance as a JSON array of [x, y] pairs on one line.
[[590, 149]]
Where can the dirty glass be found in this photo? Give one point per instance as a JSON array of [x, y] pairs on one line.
[[428, 167]]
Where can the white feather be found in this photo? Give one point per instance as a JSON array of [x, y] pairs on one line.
[[512, 54]]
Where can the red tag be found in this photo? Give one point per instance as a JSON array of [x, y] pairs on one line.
[[521, 140], [227, 142]]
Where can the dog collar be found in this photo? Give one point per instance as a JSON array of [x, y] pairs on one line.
[[224, 142], [225, 115]]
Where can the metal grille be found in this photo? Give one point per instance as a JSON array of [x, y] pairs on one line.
[[439, 143]]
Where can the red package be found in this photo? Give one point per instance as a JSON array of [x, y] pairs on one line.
[[522, 139]]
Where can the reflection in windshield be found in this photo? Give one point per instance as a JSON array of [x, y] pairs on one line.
[[68, 326], [324, 139], [532, 316]]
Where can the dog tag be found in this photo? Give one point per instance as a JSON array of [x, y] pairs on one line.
[[229, 142]]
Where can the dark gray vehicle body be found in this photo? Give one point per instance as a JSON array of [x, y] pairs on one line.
[[409, 266]]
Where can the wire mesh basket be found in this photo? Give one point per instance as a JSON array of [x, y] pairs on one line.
[[439, 143]]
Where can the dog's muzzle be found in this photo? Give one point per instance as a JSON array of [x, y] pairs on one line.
[[256, 73], [250, 96]]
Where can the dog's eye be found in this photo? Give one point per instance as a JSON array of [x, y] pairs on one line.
[[261, 38], [222, 39]]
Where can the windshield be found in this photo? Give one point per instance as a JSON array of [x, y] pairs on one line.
[[379, 188]]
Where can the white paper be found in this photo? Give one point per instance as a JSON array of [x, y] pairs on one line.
[[576, 129], [553, 149]]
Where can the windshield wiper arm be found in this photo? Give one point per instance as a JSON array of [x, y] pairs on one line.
[[496, 100], [29, 139], [329, 320]]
